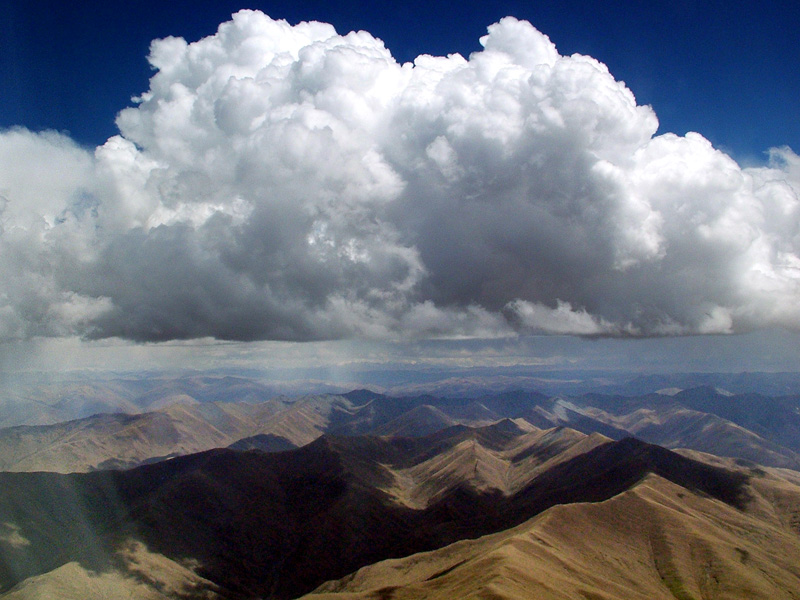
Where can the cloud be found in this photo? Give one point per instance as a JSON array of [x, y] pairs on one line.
[[46, 203], [283, 182]]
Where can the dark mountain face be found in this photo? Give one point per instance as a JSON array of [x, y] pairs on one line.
[[610, 469], [278, 525], [266, 442]]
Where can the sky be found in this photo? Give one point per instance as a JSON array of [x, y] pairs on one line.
[[545, 183]]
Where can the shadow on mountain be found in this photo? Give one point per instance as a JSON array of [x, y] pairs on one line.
[[266, 442], [276, 525]]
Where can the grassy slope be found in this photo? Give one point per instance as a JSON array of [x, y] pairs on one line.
[[656, 540]]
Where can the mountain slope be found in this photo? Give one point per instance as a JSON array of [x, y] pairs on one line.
[[654, 541], [121, 440], [701, 419], [278, 525], [142, 575]]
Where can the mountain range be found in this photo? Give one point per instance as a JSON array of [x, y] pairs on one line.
[[47, 399], [679, 494], [749, 427]]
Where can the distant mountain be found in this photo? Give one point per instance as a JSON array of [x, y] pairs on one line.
[[276, 525], [46, 399], [474, 383], [122, 440], [419, 421], [749, 427], [774, 418], [31, 401]]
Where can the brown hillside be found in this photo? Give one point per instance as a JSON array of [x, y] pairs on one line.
[[278, 525], [654, 541]]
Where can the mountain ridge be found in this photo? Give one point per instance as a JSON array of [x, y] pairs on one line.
[[677, 421], [236, 513]]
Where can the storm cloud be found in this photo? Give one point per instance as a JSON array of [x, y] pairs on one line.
[[283, 182]]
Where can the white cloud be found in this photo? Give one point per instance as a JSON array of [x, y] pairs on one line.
[[564, 319], [287, 183], [41, 176]]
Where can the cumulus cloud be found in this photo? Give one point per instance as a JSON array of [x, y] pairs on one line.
[[46, 202], [289, 183]]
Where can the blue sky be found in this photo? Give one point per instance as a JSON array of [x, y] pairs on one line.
[[517, 206], [726, 70]]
